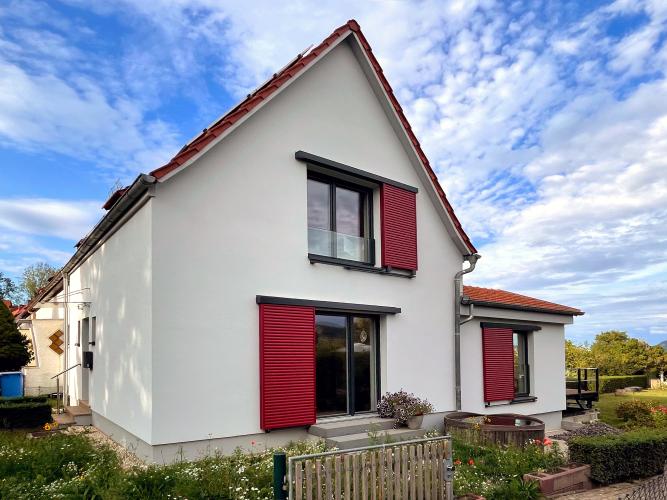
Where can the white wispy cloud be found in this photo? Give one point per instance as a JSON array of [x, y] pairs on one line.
[[41, 229], [55, 98], [548, 133], [69, 220]]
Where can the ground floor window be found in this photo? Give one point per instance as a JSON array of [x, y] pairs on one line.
[[521, 367], [346, 363]]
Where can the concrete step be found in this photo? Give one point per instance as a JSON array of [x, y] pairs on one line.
[[64, 419], [351, 426], [81, 414], [364, 439]]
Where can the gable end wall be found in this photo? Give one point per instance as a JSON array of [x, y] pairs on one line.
[[234, 225]]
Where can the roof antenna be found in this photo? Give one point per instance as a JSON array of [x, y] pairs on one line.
[[115, 187]]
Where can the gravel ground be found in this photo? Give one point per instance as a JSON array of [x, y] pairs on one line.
[[128, 459], [594, 429]]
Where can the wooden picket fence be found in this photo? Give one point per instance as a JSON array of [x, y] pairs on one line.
[[409, 470]]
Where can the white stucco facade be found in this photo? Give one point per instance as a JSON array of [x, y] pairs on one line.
[[114, 285], [173, 287], [546, 348], [243, 232]]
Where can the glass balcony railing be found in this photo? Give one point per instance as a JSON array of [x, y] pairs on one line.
[[339, 245]]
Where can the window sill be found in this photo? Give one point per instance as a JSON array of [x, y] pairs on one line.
[[352, 265], [517, 400], [523, 399]]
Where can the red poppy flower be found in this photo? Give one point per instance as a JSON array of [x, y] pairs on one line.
[[471, 461], [457, 462], [547, 442]]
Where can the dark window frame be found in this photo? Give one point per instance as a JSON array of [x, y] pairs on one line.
[[350, 348], [92, 336], [365, 215], [524, 334]]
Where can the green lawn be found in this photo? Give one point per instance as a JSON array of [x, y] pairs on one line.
[[608, 403]]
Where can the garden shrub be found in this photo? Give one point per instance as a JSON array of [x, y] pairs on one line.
[[609, 383], [659, 414], [24, 414], [631, 455], [636, 413], [516, 488], [490, 470], [24, 399]]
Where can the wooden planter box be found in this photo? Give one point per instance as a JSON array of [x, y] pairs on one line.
[[572, 477]]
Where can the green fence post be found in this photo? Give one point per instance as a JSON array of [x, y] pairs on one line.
[[279, 473]]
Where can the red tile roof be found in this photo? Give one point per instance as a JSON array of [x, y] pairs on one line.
[[115, 196], [14, 309], [292, 69], [18, 310], [501, 298]]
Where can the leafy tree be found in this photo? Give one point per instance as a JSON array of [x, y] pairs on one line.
[[8, 289], [615, 353], [577, 356], [15, 350], [657, 358], [35, 277]]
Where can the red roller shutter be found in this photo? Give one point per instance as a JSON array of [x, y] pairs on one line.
[[398, 214], [287, 366], [498, 355]]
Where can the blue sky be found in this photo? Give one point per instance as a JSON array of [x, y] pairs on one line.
[[546, 122]]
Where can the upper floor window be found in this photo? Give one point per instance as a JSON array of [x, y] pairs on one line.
[[521, 371], [339, 220]]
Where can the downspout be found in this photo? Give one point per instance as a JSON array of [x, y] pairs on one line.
[[458, 294], [66, 328]]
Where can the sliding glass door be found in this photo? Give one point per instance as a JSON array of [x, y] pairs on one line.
[[346, 364]]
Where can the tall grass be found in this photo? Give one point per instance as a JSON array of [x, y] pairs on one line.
[[70, 466]]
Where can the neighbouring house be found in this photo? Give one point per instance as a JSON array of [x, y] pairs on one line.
[[43, 325], [290, 264]]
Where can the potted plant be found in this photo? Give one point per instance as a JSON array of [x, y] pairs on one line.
[[405, 409], [416, 411]]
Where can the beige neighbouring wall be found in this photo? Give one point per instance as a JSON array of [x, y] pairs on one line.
[[46, 362]]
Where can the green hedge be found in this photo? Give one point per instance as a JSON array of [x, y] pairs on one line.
[[609, 383], [24, 399], [632, 455], [16, 414]]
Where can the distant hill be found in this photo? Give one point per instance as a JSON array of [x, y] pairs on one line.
[[663, 344]]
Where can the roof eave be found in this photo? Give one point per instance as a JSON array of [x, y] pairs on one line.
[[125, 203], [517, 307]]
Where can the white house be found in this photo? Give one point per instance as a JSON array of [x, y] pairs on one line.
[[44, 328], [289, 265]]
